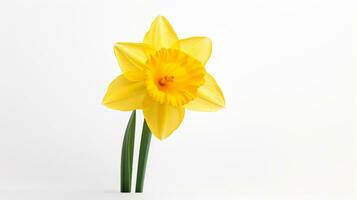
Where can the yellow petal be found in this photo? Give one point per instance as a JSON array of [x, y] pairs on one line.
[[123, 94], [161, 34], [199, 48], [132, 58], [162, 119], [210, 97]]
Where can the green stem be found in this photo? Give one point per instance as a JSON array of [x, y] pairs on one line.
[[127, 152], [143, 156]]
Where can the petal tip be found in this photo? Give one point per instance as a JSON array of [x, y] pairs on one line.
[[104, 100], [221, 104], [160, 17], [119, 45], [160, 34], [162, 136]]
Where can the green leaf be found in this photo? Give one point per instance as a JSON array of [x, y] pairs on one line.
[[143, 156], [127, 155]]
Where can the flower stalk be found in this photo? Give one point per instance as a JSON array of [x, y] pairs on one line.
[[143, 156], [127, 152]]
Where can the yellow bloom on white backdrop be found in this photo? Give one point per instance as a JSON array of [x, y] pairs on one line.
[[163, 76]]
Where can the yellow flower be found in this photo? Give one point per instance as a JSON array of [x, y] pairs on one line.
[[164, 76]]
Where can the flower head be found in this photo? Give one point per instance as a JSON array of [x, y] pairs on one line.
[[163, 76]]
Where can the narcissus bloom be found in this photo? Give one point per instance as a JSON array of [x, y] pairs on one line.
[[163, 76]]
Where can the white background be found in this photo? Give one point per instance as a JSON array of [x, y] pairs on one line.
[[287, 69]]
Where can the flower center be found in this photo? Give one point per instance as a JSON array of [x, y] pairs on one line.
[[166, 80], [173, 77]]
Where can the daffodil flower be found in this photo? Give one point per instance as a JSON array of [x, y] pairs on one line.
[[163, 76]]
